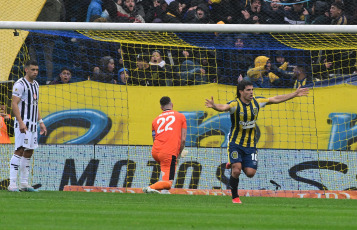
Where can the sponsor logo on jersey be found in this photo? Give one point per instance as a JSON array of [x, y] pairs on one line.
[[247, 124]]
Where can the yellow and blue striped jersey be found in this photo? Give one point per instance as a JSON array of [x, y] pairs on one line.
[[243, 118]]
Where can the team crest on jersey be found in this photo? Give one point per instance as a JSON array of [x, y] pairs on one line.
[[234, 155], [255, 111], [26, 141], [241, 113], [34, 96]]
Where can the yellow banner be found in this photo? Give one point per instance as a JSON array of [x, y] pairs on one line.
[[91, 112]]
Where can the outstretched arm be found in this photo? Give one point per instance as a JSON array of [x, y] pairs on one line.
[[281, 98], [217, 107]]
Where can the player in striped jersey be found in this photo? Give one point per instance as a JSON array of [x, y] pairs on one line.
[[25, 97], [242, 151]]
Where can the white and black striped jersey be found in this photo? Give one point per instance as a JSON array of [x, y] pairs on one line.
[[28, 105]]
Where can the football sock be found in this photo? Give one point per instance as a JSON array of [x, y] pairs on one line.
[[24, 171], [14, 169], [160, 185], [233, 182]]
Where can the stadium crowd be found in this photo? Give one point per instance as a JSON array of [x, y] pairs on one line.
[[157, 66], [338, 12]]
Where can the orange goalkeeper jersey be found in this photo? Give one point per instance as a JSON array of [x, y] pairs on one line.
[[167, 131]]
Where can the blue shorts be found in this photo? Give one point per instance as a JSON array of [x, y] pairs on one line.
[[245, 155]]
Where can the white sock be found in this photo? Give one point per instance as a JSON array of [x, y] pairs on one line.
[[24, 171], [14, 169]]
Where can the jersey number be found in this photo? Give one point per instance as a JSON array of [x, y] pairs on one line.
[[254, 157], [169, 120]]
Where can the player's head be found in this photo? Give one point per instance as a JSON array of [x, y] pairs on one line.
[[245, 90], [166, 103], [31, 69]]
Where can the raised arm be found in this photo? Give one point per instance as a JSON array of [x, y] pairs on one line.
[[282, 98], [217, 107]]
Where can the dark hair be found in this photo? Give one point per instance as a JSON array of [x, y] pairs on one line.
[[241, 86], [157, 51], [31, 62], [339, 5], [165, 101], [66, 68], [104, 61]]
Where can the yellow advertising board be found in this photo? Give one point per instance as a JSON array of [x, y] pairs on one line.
[[91, 112]]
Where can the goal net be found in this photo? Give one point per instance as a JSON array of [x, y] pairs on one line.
[[99, 123]]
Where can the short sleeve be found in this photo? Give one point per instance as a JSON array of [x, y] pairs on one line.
[[262, 101], [232, 106], [18, 90]]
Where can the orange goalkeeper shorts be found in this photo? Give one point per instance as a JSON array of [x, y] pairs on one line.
[[167, 163]]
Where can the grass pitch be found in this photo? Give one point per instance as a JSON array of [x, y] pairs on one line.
[[79, 210]]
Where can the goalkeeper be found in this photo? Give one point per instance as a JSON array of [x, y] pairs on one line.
[[242, 140], [169, 132]]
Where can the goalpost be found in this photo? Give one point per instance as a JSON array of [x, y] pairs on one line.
[[99, 133]]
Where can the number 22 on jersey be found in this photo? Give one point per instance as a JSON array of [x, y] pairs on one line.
[[165, 123]]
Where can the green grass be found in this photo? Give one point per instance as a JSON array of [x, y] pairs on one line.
[[79, 210]]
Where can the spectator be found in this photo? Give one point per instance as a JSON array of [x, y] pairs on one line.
[[191, 72], [300, 77], [226, 11], [173, 14], [156, 11], [202, 15], [94, 9], [282, 62], [295, 15], [123, 76], [350, 7], [158, 64], [234, 62], [65, 77], [322, 71], [191, 12], [128, 12], [337, 14], [253, 14], [52, 11], [105, 73], [274, 13], [261, 75], [110, 9], [142, 75], [318, 14], [208, 63]]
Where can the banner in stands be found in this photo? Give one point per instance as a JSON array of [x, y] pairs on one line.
[[97, 113], [128, 166]]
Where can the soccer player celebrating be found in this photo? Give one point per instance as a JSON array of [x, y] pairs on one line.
[[169, 131], [25, 97], [242, 142]]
